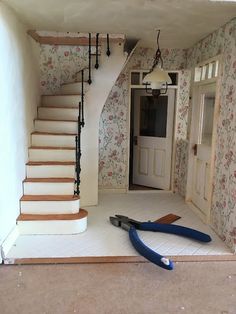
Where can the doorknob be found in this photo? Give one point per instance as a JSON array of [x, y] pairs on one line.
[[195, 149], [135, 140]]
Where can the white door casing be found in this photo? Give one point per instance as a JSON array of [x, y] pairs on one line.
[[152, 150], [202, 119]]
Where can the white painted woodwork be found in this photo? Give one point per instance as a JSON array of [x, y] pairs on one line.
[[61, 100], [152, 155], [57, 113], [50, 207], [48, 188], [50, 171], [69, 127], [53, 140], [52, 226], [74, 88], [201, 136], [38, 154], [103, 80]]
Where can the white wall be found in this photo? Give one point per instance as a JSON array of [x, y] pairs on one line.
[[19, 96], [102, 81]]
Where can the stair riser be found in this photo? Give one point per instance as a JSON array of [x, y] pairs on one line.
[[54, 171], [52, 226], [61, 101], [49, 207], [53, 140], [51, 155], [46, 188], [57, 113], [56, 126], [74, 88]]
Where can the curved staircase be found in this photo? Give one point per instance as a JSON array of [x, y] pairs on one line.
[[49, 204]]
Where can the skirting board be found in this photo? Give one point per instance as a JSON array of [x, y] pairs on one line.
[[9, 241], [117, 259]]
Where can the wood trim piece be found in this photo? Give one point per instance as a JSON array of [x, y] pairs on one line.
[[67, 40], [52, 147], [28, 217], [34, 35], [28, 198], [51, 163], [56, 134], [117, 259], [53, 120], [168, 219], [50, 180]]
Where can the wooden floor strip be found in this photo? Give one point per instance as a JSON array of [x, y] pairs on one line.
[[116, 259]]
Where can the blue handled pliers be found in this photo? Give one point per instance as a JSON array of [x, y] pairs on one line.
[[131, 225]]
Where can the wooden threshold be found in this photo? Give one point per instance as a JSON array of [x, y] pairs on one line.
[[50, 133], [116, 259], [50, 180], [50, 163], [52, 147], [28, 198], [28, 217]]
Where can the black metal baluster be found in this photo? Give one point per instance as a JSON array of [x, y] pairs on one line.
[[108, 46], [97, 64], [89, 79], [78, 153], [82, 100]]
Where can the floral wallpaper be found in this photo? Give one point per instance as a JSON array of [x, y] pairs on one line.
[[113, 133], [58, 65], [223, 41]]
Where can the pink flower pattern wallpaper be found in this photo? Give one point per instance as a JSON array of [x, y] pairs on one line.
[[113, 132], [58, 65], [223, 41]]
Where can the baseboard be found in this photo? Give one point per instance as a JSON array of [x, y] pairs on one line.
[[9, 241], [197, 212]]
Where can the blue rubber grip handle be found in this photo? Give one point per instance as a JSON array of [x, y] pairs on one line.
[[175, 229], [149, 254]]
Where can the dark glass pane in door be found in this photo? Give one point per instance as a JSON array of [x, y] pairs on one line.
[[153, 116]]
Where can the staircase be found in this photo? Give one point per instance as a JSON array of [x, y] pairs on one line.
[[50, 204]]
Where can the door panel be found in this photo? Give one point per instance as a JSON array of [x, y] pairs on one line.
[[204, 115], [153, 128]]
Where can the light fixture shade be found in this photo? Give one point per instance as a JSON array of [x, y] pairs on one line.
[[157, 78]]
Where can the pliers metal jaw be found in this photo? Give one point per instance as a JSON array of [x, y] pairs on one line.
[[131, 225]]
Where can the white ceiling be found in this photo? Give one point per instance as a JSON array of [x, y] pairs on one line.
[[182, 22]]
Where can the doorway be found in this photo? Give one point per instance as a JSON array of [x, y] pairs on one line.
[[151, 139], [205, 106]]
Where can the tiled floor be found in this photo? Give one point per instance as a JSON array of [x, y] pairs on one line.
[[103, 239]]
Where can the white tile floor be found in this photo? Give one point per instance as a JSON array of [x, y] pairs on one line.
[[103, 239]]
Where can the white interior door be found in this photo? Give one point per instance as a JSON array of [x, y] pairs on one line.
[[203, 114], [152, 142]]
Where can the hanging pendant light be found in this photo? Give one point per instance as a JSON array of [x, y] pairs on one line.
[[157, 79]]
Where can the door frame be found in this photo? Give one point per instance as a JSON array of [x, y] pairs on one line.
[[196, 84], [141, 86]]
